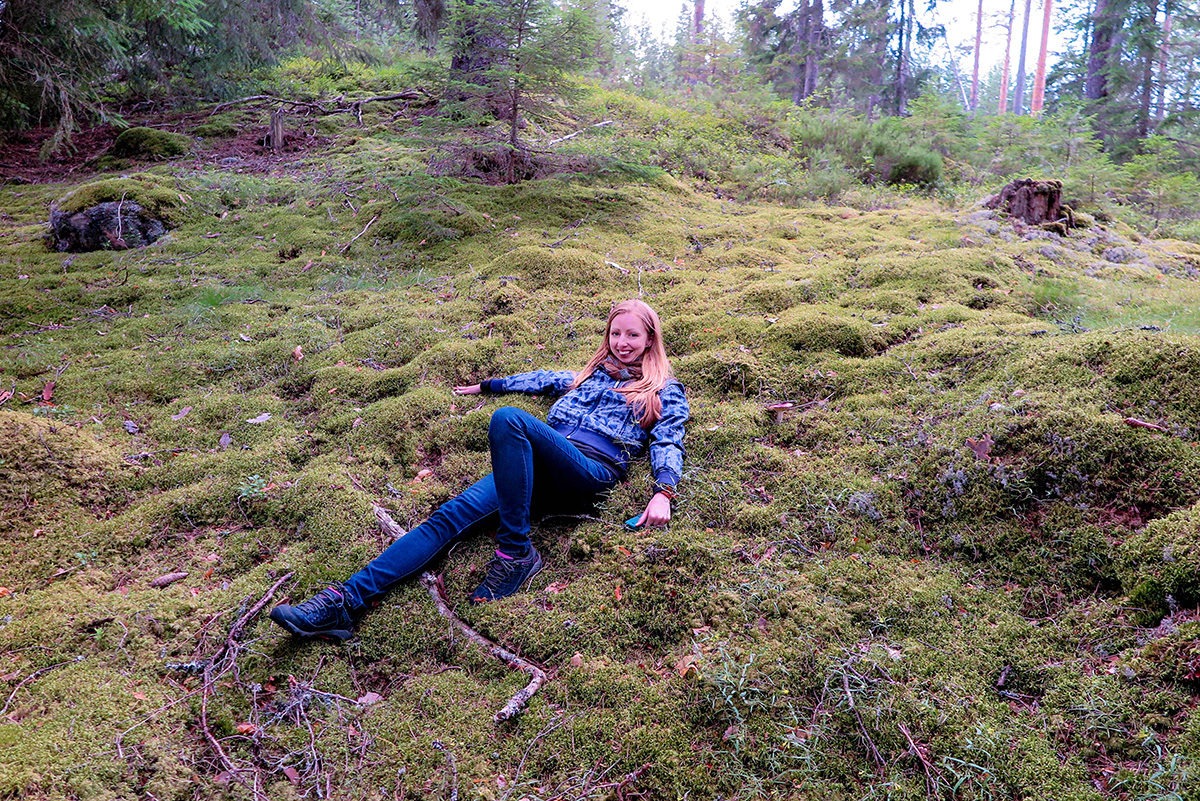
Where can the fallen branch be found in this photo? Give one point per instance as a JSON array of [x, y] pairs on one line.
[[34, 676], [346, 246], [342, 107], [437, 591], [537, 676], [581, 130], [1136, 423], [221, 663], [921, 753]]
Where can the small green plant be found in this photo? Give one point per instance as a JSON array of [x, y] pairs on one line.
[[252, 488]]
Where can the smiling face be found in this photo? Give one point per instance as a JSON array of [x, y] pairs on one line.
[[627, 337]]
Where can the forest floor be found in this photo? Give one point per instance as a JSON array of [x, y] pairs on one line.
[[962, 563]]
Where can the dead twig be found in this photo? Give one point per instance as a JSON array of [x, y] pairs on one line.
[[537, 676], [32, 677], [581, 130], [437, 591], [1136, 423], [921, 753], [221, 663], [346, 246], [437, 744]]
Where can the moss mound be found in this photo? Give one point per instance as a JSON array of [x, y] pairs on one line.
[[1160, 565], [537, 267], [160, 197], [149, 144]]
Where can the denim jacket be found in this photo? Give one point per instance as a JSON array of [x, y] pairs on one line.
[[595, 410]]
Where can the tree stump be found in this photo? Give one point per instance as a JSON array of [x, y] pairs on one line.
[[1035, 203]]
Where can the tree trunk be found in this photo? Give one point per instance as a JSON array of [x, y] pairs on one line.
[[1149, 46], [1019, 94], [1106, 21], [1164, 54], [975, 72], [816, 24], [1039, 78], [904, 49], [1003, 105], [698, 21]]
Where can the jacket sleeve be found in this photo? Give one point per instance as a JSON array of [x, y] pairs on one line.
[[666, 437], [538, 382]]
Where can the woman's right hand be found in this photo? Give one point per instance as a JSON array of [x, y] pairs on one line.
[[473, 389]]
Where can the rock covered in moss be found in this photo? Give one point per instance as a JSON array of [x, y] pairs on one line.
[[114, 214], [105, 226], [149, 143]]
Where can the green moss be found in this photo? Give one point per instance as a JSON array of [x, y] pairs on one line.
[[537, 268], [818, 328], [149, 143], [159, 196], [1160, 565]]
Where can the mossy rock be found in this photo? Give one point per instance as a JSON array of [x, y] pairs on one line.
[[1162, 561], [826, 328], [158, 196], [150, 144], [537, 267]]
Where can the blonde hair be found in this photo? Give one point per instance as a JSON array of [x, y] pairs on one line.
[[642, 394]]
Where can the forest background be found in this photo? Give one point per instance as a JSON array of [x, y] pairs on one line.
[[940, 532]]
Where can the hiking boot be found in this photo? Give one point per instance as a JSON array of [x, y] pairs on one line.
[[323, 615], [506, 575]]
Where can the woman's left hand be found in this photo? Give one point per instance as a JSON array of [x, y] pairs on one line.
[[658, 511]]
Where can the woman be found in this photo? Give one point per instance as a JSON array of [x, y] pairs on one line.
[[622, 404]]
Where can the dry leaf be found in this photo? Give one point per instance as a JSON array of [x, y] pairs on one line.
[[225, 440], [292, 774], [367, 699], [245, 727], [5, 592], [554, 588], [577, 660], [168, 579], [617, 592], [262, 418], [140, 696], [182, 413], [686, 666], [423, 474], [982, 447], [48, 392]]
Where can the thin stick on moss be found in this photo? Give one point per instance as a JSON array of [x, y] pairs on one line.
[[34, 676], [437, 591], [346, 246], [537, 676], [220, 664]]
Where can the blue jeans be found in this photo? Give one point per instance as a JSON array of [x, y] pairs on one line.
[[534, 469]]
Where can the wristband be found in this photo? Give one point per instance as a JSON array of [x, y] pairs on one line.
[[664, 489]]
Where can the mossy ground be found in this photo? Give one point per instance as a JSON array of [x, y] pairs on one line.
[[942, 573]]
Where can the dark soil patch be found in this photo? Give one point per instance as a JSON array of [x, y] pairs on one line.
[[246, 152]]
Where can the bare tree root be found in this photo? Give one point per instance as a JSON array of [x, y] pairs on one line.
[[437, 591]]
